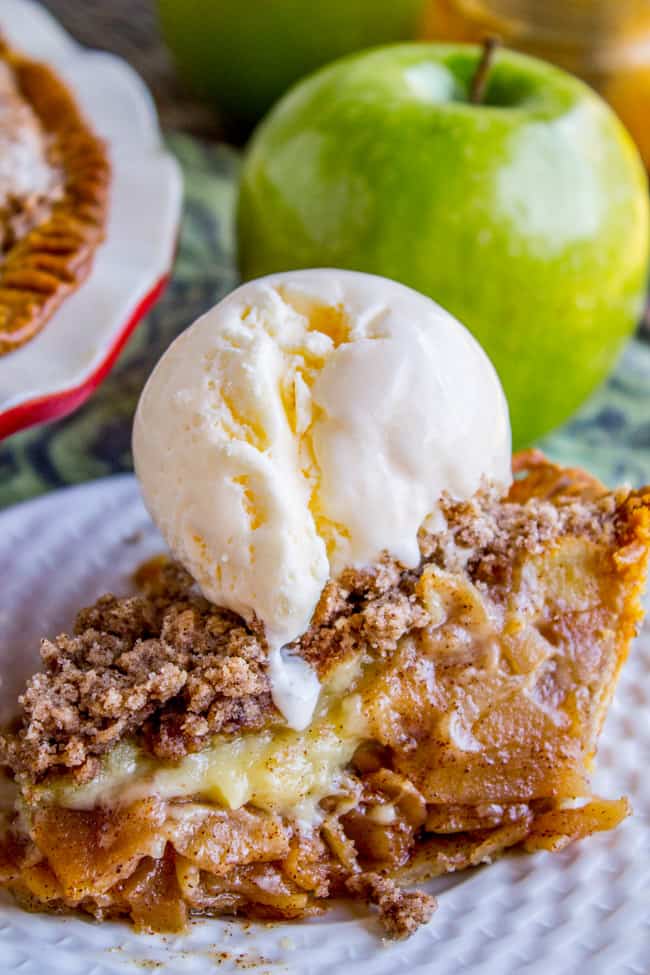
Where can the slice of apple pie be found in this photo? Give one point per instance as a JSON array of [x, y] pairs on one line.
[[460, 709]]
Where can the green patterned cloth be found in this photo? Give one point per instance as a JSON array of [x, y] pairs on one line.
[[610, 436]]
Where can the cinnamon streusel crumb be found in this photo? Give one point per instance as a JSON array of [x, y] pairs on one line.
[[401, 912]]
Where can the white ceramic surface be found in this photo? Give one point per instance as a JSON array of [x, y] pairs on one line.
[[71, 350], [586, 910]]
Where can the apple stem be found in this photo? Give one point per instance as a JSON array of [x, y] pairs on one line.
[[480, 79]]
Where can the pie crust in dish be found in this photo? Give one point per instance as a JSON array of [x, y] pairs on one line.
[[54, 185], [459, 717]]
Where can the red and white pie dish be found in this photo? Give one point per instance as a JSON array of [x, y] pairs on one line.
[[58, 369]]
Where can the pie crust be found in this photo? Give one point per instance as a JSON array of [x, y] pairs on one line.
[[48, 237]]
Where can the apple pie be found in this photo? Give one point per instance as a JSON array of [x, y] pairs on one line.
[[460, 709], [54, 181]]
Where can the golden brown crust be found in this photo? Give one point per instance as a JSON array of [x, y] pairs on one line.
[[53, 258], [537, 477]]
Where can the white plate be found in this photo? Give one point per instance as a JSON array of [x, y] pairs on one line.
[[585, 910], [54, 372]]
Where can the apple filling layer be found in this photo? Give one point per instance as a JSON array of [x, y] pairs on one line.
[[459, 716]]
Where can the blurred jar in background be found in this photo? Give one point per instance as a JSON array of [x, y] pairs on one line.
[[606, 42]]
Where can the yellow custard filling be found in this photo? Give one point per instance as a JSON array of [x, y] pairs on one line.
[[277, 769]]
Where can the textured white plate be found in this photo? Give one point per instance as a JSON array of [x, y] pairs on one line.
[[58, 369], [586, 910]]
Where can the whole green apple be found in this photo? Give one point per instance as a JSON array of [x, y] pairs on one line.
[[526, 215], [243, 54]]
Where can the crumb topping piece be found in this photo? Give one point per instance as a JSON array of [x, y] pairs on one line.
[[401, 912]]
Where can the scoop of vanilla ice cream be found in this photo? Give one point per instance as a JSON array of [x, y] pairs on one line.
[[307, 423]]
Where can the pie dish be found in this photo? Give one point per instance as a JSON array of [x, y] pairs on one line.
[[54, 185], [461, 709], [62, 364]]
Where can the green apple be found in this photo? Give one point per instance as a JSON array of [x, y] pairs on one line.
[[243, 54], [526, 215]]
